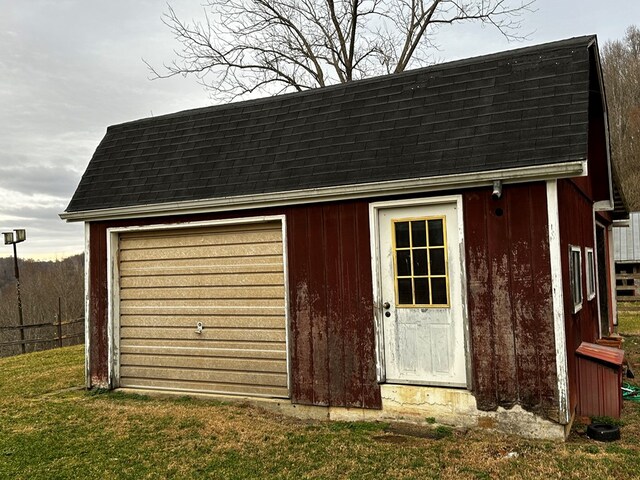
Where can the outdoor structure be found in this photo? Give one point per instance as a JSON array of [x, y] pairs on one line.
[[435, 243], [626, 241]]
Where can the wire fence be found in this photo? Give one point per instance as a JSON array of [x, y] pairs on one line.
[[628, 292], [628, 287], [41, 336]]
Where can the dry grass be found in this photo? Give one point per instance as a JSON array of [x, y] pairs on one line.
[[78, 434], [629, 318]]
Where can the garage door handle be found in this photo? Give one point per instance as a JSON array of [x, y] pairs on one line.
[[199, 327]]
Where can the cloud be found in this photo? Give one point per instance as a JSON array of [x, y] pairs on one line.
[[23, 180], [69, 69]]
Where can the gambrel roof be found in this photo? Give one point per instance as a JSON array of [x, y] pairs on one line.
[[522, 108]]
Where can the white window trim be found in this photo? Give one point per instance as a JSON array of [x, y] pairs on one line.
[[577, 306], [590, 271]]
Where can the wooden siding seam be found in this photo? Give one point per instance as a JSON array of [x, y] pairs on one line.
[[513, 320], [492, 315], [87, 305], [359, 287], [536, 358]]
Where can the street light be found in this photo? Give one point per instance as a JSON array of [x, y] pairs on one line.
[[9, 239]]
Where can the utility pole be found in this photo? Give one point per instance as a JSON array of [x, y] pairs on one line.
[[20, 236]]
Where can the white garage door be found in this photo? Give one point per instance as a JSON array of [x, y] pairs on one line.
[[227, 279]]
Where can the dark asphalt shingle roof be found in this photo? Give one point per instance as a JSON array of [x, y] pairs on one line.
[[519, 108]]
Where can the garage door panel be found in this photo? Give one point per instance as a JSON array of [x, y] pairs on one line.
[[212, 251], [205, 362], [251, 321], [233, 334], [203, 280], [239, 346], [238, 229], [193, 239], [263, 263], [218, 310], [176, 385], [198, 293], [202, 375], [216, 349], [231, 279], [160, 304]]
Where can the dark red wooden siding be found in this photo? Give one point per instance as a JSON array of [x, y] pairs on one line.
[[98, 305], [576, 228], [510, 303], [332, 343]]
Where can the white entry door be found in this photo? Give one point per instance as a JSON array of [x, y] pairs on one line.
[[421, 295]]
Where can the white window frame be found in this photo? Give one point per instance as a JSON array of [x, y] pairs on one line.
[[590, 270], [575, 278]]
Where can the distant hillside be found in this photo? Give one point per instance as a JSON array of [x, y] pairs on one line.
[[6, 271], [42, 282]]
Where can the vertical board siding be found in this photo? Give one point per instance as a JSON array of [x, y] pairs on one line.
[[510, 310], [479, 300], [502, 316], [335, 284], [330, 287], [576, 228], [98, 305], [363, 306], [599, 394], [301, 345], [317, 298], [539, 322], [626, 240]]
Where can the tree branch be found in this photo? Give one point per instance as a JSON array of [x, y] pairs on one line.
[[244, 47]]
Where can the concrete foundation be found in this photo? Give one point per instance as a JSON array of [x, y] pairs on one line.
[[455, 407], [412, 404]]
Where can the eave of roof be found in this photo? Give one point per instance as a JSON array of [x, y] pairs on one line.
[[330, 194]]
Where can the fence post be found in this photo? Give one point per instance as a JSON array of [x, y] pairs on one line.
[[59, 323]]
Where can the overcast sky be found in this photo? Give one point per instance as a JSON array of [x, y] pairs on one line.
[[70, 68]]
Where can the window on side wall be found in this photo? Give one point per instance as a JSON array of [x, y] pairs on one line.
[[591, 273], [575, 273]]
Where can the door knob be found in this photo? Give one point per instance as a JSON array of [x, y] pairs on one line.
[[386, 305]]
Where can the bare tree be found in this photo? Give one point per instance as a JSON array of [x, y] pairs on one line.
[[42, 284], [621, 68], [273, 46]]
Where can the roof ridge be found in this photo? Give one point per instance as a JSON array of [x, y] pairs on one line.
[[584, 39]]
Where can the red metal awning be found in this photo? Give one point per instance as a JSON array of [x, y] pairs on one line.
[[610, 355]]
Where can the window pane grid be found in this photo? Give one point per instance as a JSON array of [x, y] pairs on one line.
[[420, 261]]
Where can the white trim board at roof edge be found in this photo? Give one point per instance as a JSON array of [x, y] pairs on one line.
[[344, 192]]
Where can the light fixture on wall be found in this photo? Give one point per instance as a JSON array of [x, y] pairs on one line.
[[497, 190]]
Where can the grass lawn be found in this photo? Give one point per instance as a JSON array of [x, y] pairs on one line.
[[629, 318], [50, 430]]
